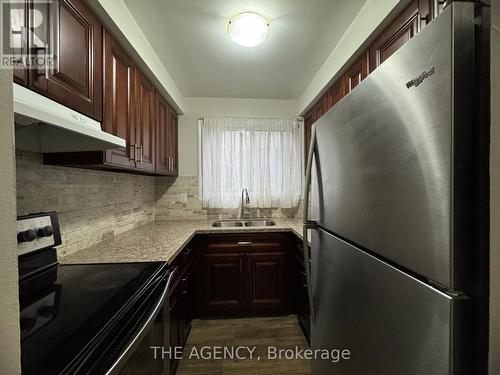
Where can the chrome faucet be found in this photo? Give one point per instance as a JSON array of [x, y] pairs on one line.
[[244, 198]]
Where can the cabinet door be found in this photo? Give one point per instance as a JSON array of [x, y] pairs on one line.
[[401, 30], [267, 288], [335, 93], [301, 298], [118, 96], [173, 144], [144, 122], [308, 122], [355, 74], [162, 162], [72, 34], [223, 282], [17, 13], [175, 324], [187, 295]]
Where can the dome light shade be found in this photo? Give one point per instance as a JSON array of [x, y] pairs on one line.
[[248, 29]]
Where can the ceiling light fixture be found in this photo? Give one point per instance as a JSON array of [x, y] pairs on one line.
[[248, 29]]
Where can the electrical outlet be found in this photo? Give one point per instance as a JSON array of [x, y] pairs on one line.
[[184, 197]]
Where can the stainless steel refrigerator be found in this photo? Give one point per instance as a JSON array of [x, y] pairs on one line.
[[392, 169]]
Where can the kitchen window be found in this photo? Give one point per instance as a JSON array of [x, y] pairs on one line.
[[262, 155]]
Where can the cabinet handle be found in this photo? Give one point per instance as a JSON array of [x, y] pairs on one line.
[[46, 65], [244, 243], [141, 154], [24, 43]]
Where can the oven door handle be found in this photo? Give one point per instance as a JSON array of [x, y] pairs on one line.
[[124, 356]]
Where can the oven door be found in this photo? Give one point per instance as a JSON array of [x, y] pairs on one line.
[[139, 356], [125, 345]]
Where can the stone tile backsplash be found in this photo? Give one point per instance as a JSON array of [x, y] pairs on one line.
[[92, 205], [169, 203], [97, 205]]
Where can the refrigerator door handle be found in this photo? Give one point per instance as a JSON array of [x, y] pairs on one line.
[[307, 224]]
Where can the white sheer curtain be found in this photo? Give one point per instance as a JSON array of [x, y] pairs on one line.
[[262, 155]]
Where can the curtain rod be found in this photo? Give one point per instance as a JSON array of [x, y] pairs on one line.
[[300, 118]]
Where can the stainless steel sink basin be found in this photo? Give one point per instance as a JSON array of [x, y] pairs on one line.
[[240, 223], [260, 223], [227, 224]]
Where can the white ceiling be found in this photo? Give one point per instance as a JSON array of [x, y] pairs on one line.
[[190, 38]]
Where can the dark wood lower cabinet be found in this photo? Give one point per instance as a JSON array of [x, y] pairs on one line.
[[298, 286], [267, 281], [223, 281], [181, 301], [244, 274]]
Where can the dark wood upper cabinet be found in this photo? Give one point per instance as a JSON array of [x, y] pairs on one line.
[[173, 144], [355, 74], [18, 38], [73, 35], [408, 23], [308, 122], [335, 93], [267, 280], [118, 116], [400, 31], [162, 136], [144, 122], [166, 138], [134, 111]]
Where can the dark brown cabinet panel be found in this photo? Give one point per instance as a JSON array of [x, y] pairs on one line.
[[73, 36], [223, 281], [173, 144], [181, 300], [118, 106], [163, 162], [355, 74], [166, 138], [18, 39], [298, 286], [308, 122], [335, 93], [401, 30], [267, 277], [144, 140]]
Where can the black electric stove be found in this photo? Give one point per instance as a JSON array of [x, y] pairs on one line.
[[80, 319]]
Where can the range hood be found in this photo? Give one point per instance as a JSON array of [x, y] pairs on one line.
[[43, 125]]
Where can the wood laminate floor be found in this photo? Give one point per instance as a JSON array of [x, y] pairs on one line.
[[261, 333]]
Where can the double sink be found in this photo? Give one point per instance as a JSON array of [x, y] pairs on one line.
[[243, 223]]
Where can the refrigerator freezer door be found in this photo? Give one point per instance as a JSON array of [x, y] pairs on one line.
[[392, 161], [390, 322]]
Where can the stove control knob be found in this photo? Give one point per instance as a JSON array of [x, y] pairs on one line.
[[26, 236], [45, 231]]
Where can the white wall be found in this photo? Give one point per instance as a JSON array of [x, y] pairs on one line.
[[9, 300], [199, 107], [495, 192], [369, 18]]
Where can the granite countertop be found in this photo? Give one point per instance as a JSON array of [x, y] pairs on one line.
[[162, 241]]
